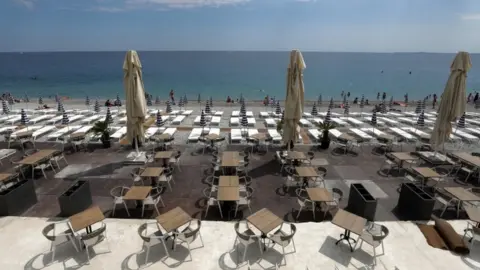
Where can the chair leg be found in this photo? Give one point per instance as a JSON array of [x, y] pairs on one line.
[[88, 254], [299, 211], [143, 208], [156, 208], [113, 211], [163, 205], [126, 208], [220, 209], [52, 248], [146, 256], [206, 211]]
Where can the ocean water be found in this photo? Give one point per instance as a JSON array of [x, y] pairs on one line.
[[218, 74]]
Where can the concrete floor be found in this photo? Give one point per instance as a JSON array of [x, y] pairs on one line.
[[24, 247]]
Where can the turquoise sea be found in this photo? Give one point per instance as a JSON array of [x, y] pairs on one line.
[[218, 74]]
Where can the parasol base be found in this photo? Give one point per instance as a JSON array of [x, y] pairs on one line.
[[136, 158]]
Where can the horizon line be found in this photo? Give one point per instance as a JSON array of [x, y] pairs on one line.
[[102, 51]]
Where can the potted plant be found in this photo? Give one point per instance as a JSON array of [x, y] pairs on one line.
[[101, 128], [325, 139], [280, 126]]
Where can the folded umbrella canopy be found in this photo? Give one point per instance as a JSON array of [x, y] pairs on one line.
[[295, 97], [135, 97], [453, 102]]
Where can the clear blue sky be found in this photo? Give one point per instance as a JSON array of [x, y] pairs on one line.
[[315, 25]]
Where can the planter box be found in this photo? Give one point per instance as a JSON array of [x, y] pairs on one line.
[[75, 199], [17, 198], [414, 203], [361, 202]]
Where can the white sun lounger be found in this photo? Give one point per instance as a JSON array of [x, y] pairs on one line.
[[317, 121], [403, 134], [264, 115], [56, 119], [429, 115], [84, 112], [252, 131], [150, 132], [452, 137], [119, 133], [331, 113], [408, 120], [314, 133], [235, 113], [215, 120], [353, 121], [361, 134], [339, 121], [170, 131], [388, 121], [177, 120], [335, 133], [44, 130], [235, 135], [276, 137], [417, 132], [307, 115], [251, 121], [195, 134], [472, 130], [91, 119], [412, 114], [6, 117], [394, 114], [75, 118], [369, 120], [464, 135], [7, 129], [40, 118], [234, 121], [214, 131], [218, 113], [121, 121], [187, 113], [305, 122], [473, 121], [61, 132], [376, 132], [13, 120], [26, 129], [270, 122], [27, 111], [45, 111], [83, 129], [196, 121]]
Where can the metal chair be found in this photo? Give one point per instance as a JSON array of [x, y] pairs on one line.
[[117, 194], [136, 172], [58, 236], [245, 198], [153, 199], [93, 238], [176, 160], [337, 195], [246, 238], [284, 239], [189, 235], [151, 239], [167, 177], [212, 200], [305, 204], [374, 241]]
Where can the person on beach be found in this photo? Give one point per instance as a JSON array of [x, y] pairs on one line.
[[343, 93], [435, 101], [384, 96], [469, 98], [378, 95], [355, 101], [475, 98], [229, 99], [348, 94], [172, 96]]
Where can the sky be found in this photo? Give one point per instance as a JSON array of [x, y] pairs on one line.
[[231, 25]]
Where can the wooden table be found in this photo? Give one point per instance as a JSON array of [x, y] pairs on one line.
[[153, 173], [212, 137], [306, 171], [319, 195], [264, 220], [259, 136], [347, 137], [173, 219], [462, 194], [25, 134], [6, 176], [228, 181], [37, 157], [163, 155], [77, 136], [426, 172], [351, 223], [228, 193], [230, 159], [467, 158], [292, 155], [138, 193], [473, 213], [402, 156], [86, 218]]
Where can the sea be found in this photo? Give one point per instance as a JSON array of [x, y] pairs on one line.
[[220, 74]]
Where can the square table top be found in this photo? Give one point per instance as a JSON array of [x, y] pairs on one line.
[[228, 181], [77, 135], [462, 194], [230, 159], [24, 134], [152, 172], [163, 136], [137, 193], [228, 193], [86, 218], [402, 156], [259, 136], [163, 154], [5, 176], [349, 221], [306, 171], [38, 156], [319, 195], [467, 157], [212, 136], [347, 137], [386, 136], [473, 213], [264, 220], [173, 219], [295, 155], [426, 172]]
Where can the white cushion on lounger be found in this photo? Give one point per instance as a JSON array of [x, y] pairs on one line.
[[218, 113], [335, 133], [264, 114], [269, 122], [187, 112], [276, 137], [40, 118], [252, 132], [307, 115], [235, 113], [361, 134], [177, 120], [305, 123], [13, 120], [314, 133], [251, 121], [249, 114], [170, 131], [61, 132], [215, 131], [83, 129], [150, 132], [235, 135], [234, 121], [76, 118], [195, 134], [119, 133], [215, 120], [44, 130], [93, 118]]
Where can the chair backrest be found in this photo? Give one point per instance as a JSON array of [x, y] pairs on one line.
[[384, 234], [15, 159], [288, 238], [311, 155], [300, 194], [337, 194], [156, 193], [119, 191], [249, 192], [193, 233], [207, 191], [141, 231], [240, 235], [178, 154], [137, 171], [95, 233], [49, 228], [30, 152]]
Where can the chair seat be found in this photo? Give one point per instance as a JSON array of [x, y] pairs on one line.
[[212, 201], [148, 200], [190, 239], [367, 237], [276, 238]]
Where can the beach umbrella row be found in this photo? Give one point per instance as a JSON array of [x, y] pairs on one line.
[[383, 107], [5, 108], [362, 102], [87, 101], [157, 100], [330, 105], [203, 121], [278, 110], [169, 107], [65, 119], [108, 117], [314, 110], [461, 121], [60, 107], [346, 108], [319, 101], [421, 119], [418, 109], [96, 107], [149, 100], [23, 118], [40, 101], [328, 117], [207, 107], [180, 103], [243, 110], [373, 121], [244, 121], [159, 121], [118, 101]]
